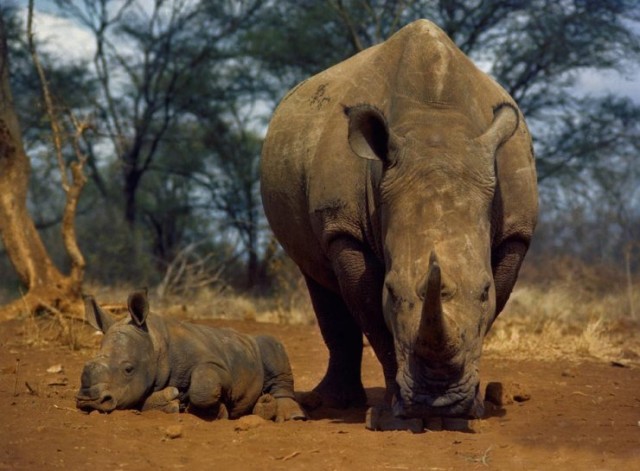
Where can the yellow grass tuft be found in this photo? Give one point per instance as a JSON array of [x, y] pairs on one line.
[[566, 320]]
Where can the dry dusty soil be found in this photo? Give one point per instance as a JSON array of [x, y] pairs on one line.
[[580, 416]]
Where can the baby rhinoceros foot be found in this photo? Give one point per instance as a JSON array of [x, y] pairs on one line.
[[278, 409], [165, 400]]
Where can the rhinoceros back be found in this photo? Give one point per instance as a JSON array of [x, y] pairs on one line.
[[238, 354], [307, 165]]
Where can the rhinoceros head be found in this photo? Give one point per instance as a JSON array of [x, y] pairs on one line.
[[123, 372], [436, 195]]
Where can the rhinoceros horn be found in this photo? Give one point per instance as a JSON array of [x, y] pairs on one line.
[[438, 335]]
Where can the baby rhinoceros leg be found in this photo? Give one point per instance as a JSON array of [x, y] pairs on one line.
[[278, 381], [165, 400], [205, 391], [266, 407]]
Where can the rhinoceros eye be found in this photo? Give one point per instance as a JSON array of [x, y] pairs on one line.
[[128, 369]]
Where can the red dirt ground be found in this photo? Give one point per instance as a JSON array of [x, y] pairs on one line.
[[580, 416]]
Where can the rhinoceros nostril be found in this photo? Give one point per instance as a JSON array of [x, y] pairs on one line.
[[107, 402], [106, 398]]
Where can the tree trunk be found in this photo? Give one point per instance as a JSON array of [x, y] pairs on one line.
[[45, 285]]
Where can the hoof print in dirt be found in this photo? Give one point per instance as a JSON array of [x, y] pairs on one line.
[[382, 419], [501, 394]]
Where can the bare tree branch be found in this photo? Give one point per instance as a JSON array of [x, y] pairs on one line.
[[55, 126]]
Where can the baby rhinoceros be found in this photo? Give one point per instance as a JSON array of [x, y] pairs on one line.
[[150, 362]]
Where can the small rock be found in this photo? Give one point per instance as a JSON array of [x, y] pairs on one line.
[[55, 369], [490, 409], [519, 392], [496, 393], [381, 418], [173, 431], [501, 395], [249, 422]]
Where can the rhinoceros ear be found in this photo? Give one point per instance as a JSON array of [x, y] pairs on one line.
[[369, 135], [138, 305], [96, 317], [504, 125]]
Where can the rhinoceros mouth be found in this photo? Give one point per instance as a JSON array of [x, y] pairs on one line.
[[462, 400], [440, 406], [104, 402]]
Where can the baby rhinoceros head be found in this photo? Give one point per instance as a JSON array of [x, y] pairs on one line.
[[123, 372]]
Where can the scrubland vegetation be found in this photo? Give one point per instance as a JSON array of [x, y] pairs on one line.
[[172, 194], [560, 309]]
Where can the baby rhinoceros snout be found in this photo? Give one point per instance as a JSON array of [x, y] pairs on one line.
[[94, 393]]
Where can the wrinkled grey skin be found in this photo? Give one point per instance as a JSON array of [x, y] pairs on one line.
[[402, 182], [146, 361]]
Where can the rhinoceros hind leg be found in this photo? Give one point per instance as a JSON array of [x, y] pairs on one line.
[[206, 391], [278, 383], [341, 386]]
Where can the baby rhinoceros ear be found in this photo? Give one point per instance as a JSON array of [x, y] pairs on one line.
[[95, 316], [138, 305]]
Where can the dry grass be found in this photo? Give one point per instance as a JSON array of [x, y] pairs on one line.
[[572, 312], [40, 329], [211, 304], [568, 319]]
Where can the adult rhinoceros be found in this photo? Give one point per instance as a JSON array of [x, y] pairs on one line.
[[402, 182]]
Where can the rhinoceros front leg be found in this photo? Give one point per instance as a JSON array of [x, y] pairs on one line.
[[206, 391], [278, 409], [341, 386], [165, 400], [278, 382], [361, 278], [344, 318]]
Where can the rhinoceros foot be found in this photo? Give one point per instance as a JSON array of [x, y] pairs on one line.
[[337, 396], [278, 409], [165, 400], [289, 409], [266, 407], [382, 419]]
